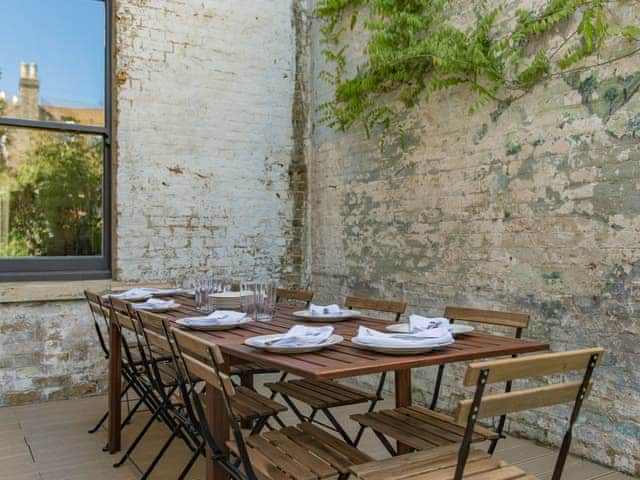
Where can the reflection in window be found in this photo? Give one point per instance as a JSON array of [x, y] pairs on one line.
[[50, 194]]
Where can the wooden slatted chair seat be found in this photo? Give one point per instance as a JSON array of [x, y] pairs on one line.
[[419, 427], [249, 405], [439, 464], [303, 452], [320, 395]]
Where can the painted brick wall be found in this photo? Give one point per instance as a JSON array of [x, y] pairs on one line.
[[535, 211], [47, 352], [205, 137], [209, 172]]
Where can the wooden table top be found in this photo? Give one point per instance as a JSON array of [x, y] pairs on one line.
[[347, 359]]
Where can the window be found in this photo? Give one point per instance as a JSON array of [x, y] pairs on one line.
[[55, 139]]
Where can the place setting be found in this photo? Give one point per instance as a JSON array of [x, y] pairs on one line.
[[156, 305], [420, 335], [144, 293], [218, 320], [326, 313], [298, 339]]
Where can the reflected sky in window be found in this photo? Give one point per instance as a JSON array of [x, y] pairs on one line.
[[65, 38]]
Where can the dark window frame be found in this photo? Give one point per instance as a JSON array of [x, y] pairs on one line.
[[74, 267]]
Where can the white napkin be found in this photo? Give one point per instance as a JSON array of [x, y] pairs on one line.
[[145, 291], [154, 303], [429, 327], [321, 310], [219, 317], [368, 336], [300, 336]]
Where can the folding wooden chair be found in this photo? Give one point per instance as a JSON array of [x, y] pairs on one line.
[[131, 361], [303, 452], [422, 428], [149, 361], [323, 396], [443, 463]]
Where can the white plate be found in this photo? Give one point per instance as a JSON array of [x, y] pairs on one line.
[[344, 314], [332, 340], [161, 308], [213, 327], [131, 299], [399, 350], [457, 329]]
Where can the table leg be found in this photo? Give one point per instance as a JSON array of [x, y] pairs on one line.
[[219, 427], [403, 399], [115, 386]]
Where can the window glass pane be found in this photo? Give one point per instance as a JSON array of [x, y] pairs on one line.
[[50, 193], [52, 56]]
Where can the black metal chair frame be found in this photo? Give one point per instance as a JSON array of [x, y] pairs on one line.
[[334, 424], [182, 424], [465, 446], [159, 400], [436, 392], [130, 380], [241, 468]]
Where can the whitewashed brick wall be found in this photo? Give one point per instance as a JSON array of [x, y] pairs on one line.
[[204, 136]]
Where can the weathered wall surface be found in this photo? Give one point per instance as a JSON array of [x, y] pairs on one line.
[[209, 172], [47, 352], [534, 210], [205, 138]]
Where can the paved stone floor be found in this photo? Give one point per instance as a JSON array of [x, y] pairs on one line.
[[50, 442]]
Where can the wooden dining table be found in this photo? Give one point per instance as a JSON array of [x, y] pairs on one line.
[[339, 361]]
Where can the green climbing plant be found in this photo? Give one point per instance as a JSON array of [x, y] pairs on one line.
[[416, 48]]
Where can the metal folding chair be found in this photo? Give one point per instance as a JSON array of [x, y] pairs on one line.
[[469, 463], [147, 359], [296, 453], [424, 427], [100, 312], [323, 396]]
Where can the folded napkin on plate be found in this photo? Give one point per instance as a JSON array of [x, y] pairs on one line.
[[145, 291], [154, 303], [301, 336], [424, 338], [429, 327], [319, 310], [219, 317]]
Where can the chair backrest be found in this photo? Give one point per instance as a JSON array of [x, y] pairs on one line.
[[153, 329], [296, 295], [121, 313], [99, 311], [385, 306], [519, 321], [535, 366], [487, 317], [203, 358], [124, 317]]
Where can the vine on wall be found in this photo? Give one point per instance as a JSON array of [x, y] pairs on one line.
[[415, 49]]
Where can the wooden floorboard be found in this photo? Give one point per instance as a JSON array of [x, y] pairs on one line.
[[50, 442]]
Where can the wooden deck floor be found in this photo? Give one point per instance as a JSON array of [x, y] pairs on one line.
[[50, 442]]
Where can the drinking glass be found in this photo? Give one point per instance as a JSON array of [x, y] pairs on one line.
[[204, 287], [248, 298], [265, 300]]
